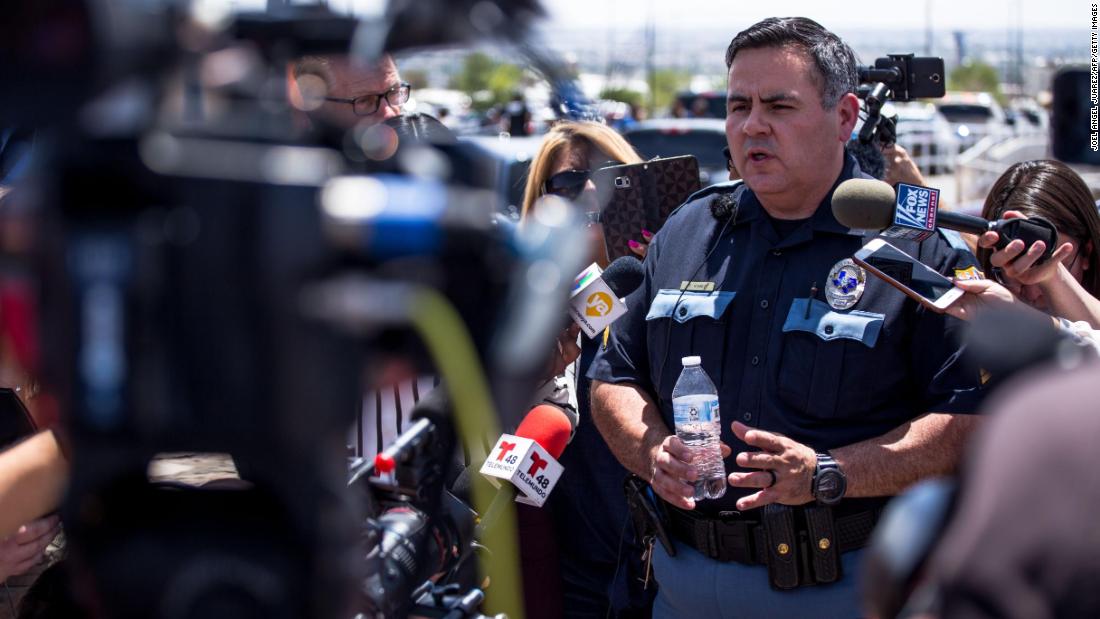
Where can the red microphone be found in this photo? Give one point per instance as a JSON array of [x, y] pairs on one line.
[[549, 426], [528, 459]]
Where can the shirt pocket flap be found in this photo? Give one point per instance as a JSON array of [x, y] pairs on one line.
[[823, 322], [670, 304]]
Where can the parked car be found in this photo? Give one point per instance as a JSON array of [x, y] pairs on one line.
[[1030, 117], [974, 116], [928, 137], [710, 104], [672, 137]]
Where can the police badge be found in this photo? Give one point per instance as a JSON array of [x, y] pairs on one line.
[[845, 284]]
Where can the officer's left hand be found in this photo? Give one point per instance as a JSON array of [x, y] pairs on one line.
[[792, 463]]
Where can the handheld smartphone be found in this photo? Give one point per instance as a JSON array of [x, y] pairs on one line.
[[640, 196], [908, 275], [909, 77]]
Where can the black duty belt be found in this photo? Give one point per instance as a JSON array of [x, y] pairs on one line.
[[800, 545]]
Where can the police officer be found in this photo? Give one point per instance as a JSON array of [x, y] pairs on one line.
[[835, 388]]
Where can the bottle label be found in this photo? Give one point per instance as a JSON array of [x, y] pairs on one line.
[[695, 410]]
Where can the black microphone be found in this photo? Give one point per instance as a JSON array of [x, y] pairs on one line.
[[868, 156], [624, 275], [723, 206], [431, 410], [913, 213]]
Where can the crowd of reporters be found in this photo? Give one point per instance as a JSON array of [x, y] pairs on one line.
[[583, 541]]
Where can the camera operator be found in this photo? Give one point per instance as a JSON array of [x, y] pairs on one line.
[[346, 91], [872, 399], [340, 93]]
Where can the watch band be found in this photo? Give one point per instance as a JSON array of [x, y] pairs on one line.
[[827, 465]]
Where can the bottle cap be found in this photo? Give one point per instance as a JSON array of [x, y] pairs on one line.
[[692, 360]]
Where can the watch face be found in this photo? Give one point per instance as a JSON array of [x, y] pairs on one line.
[[830, 486]]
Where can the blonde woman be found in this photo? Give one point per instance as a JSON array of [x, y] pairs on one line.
[[597, 557], [563, 166]]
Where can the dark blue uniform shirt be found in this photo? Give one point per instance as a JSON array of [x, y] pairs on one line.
[[824, 377]]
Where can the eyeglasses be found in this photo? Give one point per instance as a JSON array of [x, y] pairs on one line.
[[365, 105], [569, 184]]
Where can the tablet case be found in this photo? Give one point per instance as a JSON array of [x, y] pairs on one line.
[[641, 196]]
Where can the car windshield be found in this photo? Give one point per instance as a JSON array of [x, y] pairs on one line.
[[705, 145], [716, 104], [963, 113]]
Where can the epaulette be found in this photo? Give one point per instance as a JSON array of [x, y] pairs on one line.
[[708, 191], [954, 240]]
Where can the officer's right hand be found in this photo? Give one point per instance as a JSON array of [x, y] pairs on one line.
[[671, 471]]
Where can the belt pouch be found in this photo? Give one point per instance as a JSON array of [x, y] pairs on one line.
[[823, 545], [782, 546], [648, 522]]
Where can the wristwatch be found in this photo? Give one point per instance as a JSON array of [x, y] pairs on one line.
[[829, 483]]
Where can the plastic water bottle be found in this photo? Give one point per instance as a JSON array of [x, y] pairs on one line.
[[695, 408]]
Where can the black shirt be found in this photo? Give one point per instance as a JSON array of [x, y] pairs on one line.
[[822, 376]]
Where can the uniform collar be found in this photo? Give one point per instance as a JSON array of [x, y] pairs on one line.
[[822, 221]]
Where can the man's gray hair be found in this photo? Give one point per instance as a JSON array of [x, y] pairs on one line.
[[836, 62]]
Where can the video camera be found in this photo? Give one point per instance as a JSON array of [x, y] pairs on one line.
[[212, 281], [898, 77]]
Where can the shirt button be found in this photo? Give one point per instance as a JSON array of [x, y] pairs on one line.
[[747, 416], [828, 329], [764, 304], [683, 312], [755, 360]]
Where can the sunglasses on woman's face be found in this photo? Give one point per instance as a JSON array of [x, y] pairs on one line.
[[569, 184]]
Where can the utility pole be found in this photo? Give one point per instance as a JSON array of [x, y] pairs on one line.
[[650, 50], [927, 27]]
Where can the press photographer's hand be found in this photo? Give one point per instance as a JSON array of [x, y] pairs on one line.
[[1017, 262], [26, 548]]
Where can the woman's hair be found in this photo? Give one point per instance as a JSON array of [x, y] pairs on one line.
[[1053, 191], [572, 135]]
